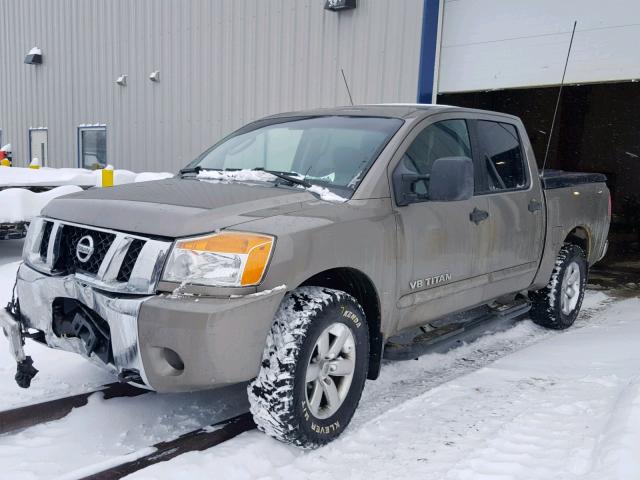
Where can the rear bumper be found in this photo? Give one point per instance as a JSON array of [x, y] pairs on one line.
[[174, 343]]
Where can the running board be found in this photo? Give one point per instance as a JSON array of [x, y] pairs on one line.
[[444, 338]]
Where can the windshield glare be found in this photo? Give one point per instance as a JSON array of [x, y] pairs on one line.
[[334, 152]]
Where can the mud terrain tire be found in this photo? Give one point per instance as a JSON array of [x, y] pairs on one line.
[[557, 305], [283, 399]]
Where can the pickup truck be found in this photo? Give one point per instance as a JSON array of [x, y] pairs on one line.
[[299, 251]]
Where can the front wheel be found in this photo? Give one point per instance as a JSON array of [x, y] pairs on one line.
[[313, 368], [558, 304]]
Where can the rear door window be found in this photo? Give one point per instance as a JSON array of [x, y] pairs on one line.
[[501, 157]]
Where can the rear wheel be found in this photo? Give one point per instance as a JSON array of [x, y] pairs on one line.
[[313, 369], [558, 304]]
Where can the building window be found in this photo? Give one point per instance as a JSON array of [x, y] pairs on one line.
[[92, 147], [38, 145]]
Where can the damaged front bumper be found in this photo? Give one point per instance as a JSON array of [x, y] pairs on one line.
[[168, 343], [40, 295]]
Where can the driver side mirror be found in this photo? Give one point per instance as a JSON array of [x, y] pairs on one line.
[[451, 179]]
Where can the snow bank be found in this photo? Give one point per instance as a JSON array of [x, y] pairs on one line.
[[261, 176], [21, 205], [21, 177]]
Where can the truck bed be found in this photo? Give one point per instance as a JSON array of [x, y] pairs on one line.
[[560, 179]]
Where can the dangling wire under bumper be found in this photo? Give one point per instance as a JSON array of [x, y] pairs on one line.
[[11, 323]]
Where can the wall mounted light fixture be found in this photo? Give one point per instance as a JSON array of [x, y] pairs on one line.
[[34, 57], [122, 80], [337, 5], [154, 76]]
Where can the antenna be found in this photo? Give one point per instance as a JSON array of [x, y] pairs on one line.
[[347, 85], [555, 112]]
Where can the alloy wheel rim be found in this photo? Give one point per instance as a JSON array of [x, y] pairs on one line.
[[570, 290], [330, 370]]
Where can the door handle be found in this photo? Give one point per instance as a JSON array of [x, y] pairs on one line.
[[534, 206], [478, 216]]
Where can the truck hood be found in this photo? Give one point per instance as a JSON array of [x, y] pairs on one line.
[[176, 207]]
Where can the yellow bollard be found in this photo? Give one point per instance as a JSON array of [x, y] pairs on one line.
[[5, 162], [107, 177], [35, 163]]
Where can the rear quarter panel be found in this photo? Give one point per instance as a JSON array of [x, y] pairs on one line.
[[584, 206]]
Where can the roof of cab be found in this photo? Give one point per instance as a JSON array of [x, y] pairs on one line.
[[393, 110]]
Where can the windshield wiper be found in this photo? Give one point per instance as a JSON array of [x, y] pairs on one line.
[[285, 176], [197, 169]]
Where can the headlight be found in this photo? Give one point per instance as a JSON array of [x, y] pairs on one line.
[[230, 259], [31, 246]]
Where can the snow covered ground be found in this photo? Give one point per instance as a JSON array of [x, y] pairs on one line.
[[525, 403]]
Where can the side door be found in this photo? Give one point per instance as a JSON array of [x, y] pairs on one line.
[[514, 202], [438, 244], [38, 145]]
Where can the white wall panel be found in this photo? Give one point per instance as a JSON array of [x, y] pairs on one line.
[[493, 44]]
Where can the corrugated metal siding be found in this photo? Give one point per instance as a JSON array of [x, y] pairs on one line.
[[222, 63]]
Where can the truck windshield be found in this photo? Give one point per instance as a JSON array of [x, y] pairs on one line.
[[331, 151]]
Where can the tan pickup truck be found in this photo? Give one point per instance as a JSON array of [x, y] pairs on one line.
[[298, 251]]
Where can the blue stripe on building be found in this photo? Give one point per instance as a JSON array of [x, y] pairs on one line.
[[428, 47]]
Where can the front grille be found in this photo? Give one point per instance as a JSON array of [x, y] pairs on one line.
[[67, 259], [130, 260], [44, 245]]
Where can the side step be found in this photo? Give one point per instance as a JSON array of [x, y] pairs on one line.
[[403, 347]]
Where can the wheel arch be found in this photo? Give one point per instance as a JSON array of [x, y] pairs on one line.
[[361, 287], [581, 237]]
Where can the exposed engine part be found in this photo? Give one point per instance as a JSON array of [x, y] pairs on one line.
[[73, 319], [129, 375]]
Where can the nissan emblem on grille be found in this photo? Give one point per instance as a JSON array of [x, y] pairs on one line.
[[84, 248]]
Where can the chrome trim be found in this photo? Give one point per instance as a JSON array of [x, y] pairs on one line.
[[144, 276], [54, 240], [112, 262]]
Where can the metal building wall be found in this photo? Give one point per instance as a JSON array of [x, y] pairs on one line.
[[222, 63]]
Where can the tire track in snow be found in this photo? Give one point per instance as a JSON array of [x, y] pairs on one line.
[[401, 381]]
